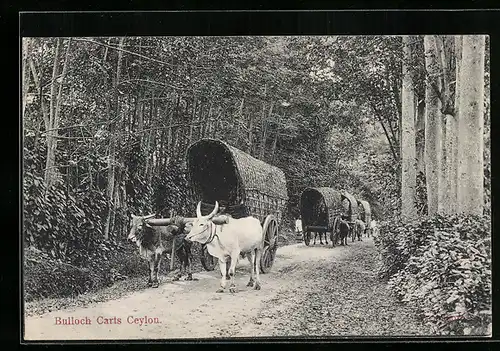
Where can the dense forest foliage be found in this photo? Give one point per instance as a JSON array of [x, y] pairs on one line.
[[107, 122]]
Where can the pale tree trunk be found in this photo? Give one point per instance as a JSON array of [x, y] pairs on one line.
[[445, 49], [433, 126], [470, 126], [408, 152], [37, 81], [264, 132], [25, 73], [276, 135], [240, 119], [55, 104], [250, 133], [419, 138], [151, 144], [110, 189], [152, 126], [452, 132], [52, 134]]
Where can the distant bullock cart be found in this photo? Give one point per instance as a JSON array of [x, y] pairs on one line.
[[365, 214], [351, 211]]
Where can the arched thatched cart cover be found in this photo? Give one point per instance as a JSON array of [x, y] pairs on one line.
[[240, 182], [350, 205], [365, 212], [320, 206]]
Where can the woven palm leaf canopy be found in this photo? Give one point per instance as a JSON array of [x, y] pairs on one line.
[[350, 204], [319, 206], [241, 183], [365, 212]]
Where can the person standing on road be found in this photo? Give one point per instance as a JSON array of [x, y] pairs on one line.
[[374, 229], [298, 226]]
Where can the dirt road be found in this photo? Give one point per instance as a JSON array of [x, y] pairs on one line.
[[311, 291]]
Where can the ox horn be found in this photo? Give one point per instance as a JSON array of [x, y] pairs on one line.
[[198, 210], [216, 209], [149, 216]]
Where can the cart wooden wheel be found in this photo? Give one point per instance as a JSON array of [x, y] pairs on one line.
[[270, 231], [307, 238], [207, 260]]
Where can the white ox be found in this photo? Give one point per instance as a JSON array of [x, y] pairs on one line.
[[226, 237]]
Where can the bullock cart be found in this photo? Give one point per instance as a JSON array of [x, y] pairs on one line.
[[350, 205], [242, 185], [365, 214], [318, 209]]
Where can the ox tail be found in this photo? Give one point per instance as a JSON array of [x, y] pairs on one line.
[[255, 265]]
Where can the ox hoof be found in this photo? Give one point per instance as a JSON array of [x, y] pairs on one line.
[[220, 290], [232, 289], [257, 286], [176, 278], [155, 285], [250, 284], [189, 277], [150, 283]]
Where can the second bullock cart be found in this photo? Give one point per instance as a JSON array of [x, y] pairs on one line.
[[320, 206], [318, 209]]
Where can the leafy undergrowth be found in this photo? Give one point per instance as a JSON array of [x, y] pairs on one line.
[[122, 267], [442, 265]]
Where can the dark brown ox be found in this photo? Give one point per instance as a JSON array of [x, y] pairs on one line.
[[154, 241], [341, 231]]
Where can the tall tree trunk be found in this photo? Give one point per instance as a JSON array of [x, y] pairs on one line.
[[452, 133], [38, 85], [446, 53], [206, 121], [408, 152], [419, 136], [433, 128], [239, 121], [50, 171], [250, 133], [112, 146], [276, 135], [55, 106], [264, 131], [151, 142], [192, 121], [470, 126], [25, 72]]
